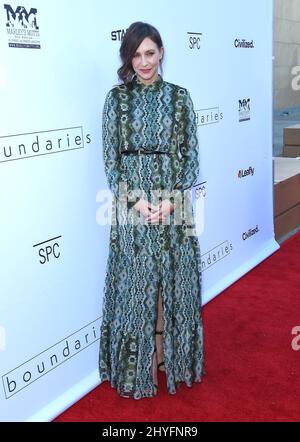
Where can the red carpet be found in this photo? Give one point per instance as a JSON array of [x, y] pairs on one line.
[[252, 372]]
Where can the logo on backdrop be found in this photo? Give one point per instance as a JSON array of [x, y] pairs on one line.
[[244, 110], [48, 250], [200, 198], [250, 233], [44, 362], [118, 35], [21, 146], [22, 27], [246, 173], [208, 116], [218, 253], [244, 44], [195, 40]]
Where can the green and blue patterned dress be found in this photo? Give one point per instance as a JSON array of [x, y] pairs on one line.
[[144, 256]]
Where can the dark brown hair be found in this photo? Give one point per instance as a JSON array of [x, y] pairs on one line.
[[133, 37]]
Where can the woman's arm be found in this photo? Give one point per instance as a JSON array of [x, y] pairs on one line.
[[189, 146], [111, 154], [110, 139]]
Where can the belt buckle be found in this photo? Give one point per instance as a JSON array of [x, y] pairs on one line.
[[140, 151]]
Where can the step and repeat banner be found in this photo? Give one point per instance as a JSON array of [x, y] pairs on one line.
[[58, 60]]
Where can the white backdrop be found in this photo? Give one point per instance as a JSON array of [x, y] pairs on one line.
[[53, 80]]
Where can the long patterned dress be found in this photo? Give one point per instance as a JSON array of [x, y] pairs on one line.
[[145, 256]]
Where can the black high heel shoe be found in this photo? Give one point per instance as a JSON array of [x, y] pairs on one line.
[[157, 332]]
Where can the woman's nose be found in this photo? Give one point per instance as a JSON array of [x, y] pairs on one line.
[[144, 61]]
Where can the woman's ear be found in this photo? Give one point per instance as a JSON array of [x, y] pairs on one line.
[[161, 53]]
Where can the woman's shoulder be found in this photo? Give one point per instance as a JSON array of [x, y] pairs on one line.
[[180, 90], [114, 91]]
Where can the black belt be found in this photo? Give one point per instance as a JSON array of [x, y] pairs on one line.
[[143, 151]]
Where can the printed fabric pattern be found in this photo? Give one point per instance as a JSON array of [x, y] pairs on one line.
[[143, 257]]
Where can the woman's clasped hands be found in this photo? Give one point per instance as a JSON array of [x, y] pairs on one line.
[[155, 213]]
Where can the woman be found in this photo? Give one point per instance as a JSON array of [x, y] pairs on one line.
[[152, 298]]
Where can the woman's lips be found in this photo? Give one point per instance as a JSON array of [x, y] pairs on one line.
[[145, 71]]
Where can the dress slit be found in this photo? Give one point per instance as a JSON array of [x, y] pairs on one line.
[[158, 326]]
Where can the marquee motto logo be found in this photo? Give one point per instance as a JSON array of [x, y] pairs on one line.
[[22, 28], [244, 110]]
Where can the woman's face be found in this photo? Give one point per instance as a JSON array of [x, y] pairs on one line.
[[146, 59]]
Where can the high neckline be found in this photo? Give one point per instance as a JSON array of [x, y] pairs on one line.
[[152, 86]]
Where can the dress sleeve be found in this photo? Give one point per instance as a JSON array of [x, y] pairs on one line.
[[111, 153], [189, 146]]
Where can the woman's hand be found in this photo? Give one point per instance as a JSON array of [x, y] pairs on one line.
[[160, 212], [145, 207]]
